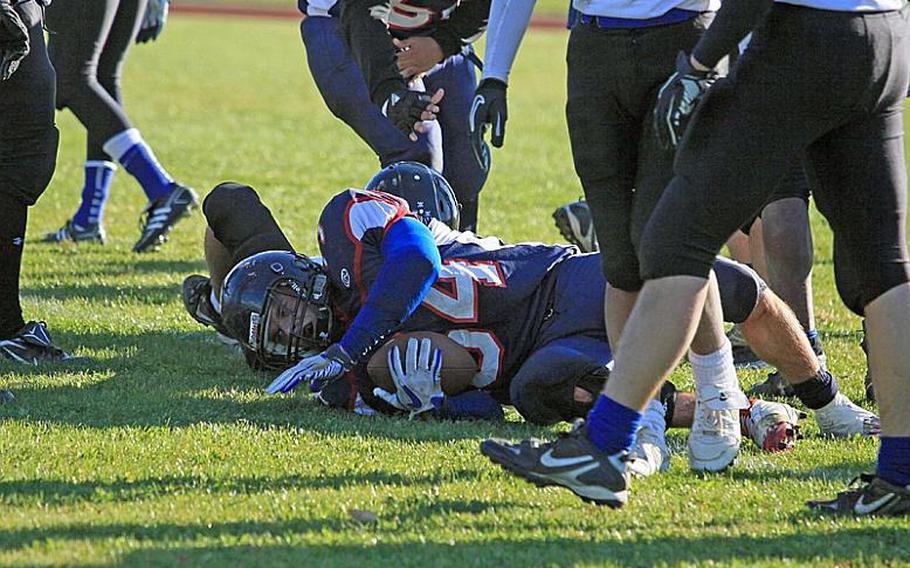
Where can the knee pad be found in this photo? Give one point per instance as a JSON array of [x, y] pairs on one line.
[[31, 165], [225, 199], [551, 400], [740, 289]]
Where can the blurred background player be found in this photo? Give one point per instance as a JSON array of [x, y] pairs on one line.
[[422, 45], [88, 43], [28, 156]]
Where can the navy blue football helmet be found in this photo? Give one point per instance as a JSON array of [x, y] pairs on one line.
[[428, 194], [276, 304]]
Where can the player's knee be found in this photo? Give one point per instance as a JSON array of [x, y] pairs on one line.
[[226, 199], [622, 271], [33, 167], [741, 289]]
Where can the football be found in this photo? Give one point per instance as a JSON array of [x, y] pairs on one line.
[[458, 366]]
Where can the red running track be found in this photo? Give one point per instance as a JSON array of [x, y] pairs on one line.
[[291, 13]]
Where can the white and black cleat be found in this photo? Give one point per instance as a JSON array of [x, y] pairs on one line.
[[160, 216]]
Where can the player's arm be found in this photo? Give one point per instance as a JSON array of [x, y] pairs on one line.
[[418, 54], [507, 24], [410, 265], [679, 95]]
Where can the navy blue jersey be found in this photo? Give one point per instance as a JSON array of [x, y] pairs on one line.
[[489, 297]]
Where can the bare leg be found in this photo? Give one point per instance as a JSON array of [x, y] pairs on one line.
[[217, 258], [738, 245], [757, 247], [618, 305], [776, 336], [659, 329], [709, 336], [888, 323], [788, 253]]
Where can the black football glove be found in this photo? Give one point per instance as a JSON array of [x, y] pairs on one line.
[[677, 100], [153, 22], [489, 107], [13, 40], [405, 109]]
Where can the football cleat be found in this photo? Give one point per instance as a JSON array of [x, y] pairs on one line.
[[716, 433], [773, 426], [841, 418], [77, 234], [33, 346], [570, 461], [650, 454], [774, 385], [196, 295], [876, 497], [160, 216], [576, 226]]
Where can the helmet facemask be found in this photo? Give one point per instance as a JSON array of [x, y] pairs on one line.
[[296, 320]]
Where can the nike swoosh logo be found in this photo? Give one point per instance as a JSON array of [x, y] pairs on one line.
[[548, 460], [863, 508]]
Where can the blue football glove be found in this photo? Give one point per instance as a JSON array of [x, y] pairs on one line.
[[317, 370], [677, 100], [14, 44], [153, 22], [418, 386], [488, 107]]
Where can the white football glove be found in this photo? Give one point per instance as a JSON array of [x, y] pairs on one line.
[[418, 387], [317, 370]]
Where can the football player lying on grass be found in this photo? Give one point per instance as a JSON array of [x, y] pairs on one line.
[[532, 313]]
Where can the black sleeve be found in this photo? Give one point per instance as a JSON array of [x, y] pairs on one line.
[[466, 24], [241, 222], [365, 25], [734, 20]]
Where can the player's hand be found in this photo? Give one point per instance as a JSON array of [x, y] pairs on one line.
[[677, 100], [418, 386], [317, 370], [489, 107], [14, 44], [408, 109], [417, 55], [153, 22]]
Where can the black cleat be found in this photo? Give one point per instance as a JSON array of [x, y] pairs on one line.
[[876, 497], [196, 294], [72, 232], [774, 385], [576, 226], [571, 461], [160, 216], [33, 346]]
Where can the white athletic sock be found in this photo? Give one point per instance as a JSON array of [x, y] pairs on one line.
[[714, 368], [117, 145], [654, 416], [215, 301]]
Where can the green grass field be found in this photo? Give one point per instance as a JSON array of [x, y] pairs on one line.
[[548, 8], [167, 451]]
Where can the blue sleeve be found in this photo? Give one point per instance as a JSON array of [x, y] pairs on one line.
[[471, 405], [410, 265]]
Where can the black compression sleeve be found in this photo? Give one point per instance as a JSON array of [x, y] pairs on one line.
[[466, 24], [734, 20], [241, 222], [371, 45]]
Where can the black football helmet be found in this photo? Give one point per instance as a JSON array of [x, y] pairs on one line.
[[276, 304], [428, 193]]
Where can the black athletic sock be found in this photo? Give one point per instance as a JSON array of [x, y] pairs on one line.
[[817, 391], [13, 216]]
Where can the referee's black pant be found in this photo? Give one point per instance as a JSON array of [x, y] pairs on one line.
[[827, 84]]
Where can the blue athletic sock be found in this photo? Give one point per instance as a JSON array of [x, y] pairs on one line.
[[137, 158], [817, 391], [612, 426], [894, 460], [98, 177]]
